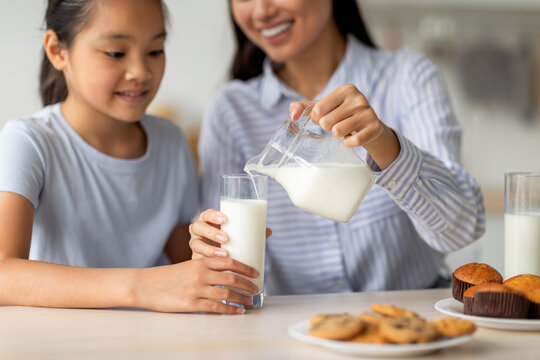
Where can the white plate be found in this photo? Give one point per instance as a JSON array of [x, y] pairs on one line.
[[300, 331], [452, 307]]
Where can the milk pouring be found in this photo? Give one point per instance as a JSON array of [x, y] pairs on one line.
[[319, 173]]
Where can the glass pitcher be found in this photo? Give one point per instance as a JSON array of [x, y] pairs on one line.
[[320, 174]]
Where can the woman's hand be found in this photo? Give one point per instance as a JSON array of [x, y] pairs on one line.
[[348, 114], [207, 237], [191, 286]]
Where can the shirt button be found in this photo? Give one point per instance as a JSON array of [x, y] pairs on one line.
[[392, 185]]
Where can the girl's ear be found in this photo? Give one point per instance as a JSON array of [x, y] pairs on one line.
[[53, 48]]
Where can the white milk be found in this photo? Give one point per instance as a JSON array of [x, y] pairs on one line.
[[246, 226], [521, 244], [332, 190]]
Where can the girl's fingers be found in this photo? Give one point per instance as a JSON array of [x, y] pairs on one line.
[[229, 279], [217, 307], [221, 293], [201, 247], [224, 264], [202, 229], [213, 216], [268, 232]]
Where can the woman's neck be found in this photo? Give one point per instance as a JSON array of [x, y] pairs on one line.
[[309, 72]]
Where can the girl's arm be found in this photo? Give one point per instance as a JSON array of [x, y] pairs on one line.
[[185, 287]]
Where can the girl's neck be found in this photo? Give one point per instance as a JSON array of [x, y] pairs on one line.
[[309, 72], [119, 139]]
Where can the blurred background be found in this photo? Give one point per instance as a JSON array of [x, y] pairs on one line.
[[487, 50]]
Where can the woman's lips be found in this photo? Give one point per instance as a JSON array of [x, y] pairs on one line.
[[276, 33]]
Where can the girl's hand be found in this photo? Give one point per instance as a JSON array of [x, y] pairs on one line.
[[348, 114], [191, 286], [207, 237]]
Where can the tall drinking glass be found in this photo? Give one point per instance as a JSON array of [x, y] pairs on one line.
[[243, 201], [521, 224]]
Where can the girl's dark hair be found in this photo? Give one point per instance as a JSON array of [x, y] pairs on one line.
[[66, 18], [248, 59]]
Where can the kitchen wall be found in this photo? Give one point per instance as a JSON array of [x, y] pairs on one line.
[[488, 51]]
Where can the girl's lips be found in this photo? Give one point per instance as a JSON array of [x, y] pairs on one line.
[[133, 96]]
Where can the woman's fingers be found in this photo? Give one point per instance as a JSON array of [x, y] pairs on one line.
[[297, 108]]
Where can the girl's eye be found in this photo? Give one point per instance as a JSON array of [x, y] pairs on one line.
[[114, 54], [156, 52]]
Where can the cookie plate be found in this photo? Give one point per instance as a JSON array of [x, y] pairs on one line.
[[452, 307], [300, 331]]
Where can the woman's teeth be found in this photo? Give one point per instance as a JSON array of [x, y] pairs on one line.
[[276, 30]]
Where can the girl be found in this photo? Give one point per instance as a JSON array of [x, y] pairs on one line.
[[94, 193], [390, 107]]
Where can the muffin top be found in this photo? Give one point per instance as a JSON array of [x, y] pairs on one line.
[[491, 287], [523, 282], [533, 295], [478, 273]]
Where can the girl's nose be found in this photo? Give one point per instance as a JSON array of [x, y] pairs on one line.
[[138, 70]]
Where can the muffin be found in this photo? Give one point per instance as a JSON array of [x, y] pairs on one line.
[[497, 300], [523, 282], [468, 299], [471, 274], [534, 303]]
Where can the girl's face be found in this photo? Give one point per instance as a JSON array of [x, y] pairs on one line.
[[115, 64], [283, 29]]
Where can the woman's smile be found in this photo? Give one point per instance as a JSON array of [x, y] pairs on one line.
[[275, 33]]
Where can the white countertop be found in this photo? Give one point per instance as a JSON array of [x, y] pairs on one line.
[[44, 333]]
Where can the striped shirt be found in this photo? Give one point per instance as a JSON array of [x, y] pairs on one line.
[[421, 207]]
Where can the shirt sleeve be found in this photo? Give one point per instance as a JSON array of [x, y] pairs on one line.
[[218, 152], [22, 165], [444, 202]]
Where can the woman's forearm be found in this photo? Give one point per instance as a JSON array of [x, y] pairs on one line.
[[35, 283]]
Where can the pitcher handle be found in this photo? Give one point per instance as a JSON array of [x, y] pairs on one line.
[[301, 122]]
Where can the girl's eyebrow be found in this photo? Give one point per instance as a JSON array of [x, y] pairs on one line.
[[116, 36]]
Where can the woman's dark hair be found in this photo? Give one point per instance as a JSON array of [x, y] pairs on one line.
[[248, 59], [66, 18]]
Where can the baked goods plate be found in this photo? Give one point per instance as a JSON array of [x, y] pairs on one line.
[[452, 307], [299, 331]]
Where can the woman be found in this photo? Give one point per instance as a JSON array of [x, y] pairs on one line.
[[390, 107]]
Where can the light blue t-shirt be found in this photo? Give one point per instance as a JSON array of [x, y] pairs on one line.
[[92, 209]]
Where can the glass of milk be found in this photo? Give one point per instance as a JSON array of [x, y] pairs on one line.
[[243, 201], [521, 224]]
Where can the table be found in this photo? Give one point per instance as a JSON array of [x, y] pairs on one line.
[[45, 333]]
